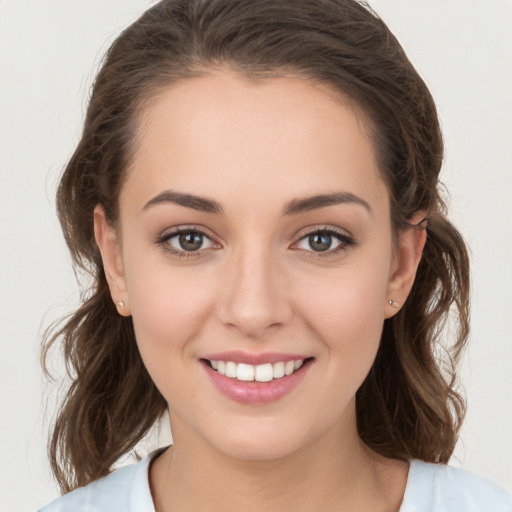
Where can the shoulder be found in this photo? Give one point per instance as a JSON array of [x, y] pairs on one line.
[[442, 488], [124, 490]]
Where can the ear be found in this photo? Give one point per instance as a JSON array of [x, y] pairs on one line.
[[110, 250], [407, 258]]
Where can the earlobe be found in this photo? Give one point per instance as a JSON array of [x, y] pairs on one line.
[[408, 256], [110, 250]]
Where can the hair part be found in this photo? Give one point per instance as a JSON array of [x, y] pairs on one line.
[[408, 406]]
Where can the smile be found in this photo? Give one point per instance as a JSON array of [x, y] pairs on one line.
[[256, 378], [259, 373]]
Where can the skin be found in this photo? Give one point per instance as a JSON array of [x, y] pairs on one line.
[[258, 285]]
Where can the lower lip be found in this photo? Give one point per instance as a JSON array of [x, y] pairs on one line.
[[254, 392]]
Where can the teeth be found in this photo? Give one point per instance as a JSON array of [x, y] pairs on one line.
[[245, 372], [278, 370], [231, 370], [260, 373], [264, 373]]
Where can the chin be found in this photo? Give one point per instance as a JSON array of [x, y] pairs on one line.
[[258, 450], [266, 443]]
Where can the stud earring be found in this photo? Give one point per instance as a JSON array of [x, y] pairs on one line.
[[393, 303], [120, 304]]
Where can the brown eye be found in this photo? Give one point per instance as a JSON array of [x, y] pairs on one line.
[[186, 241], [190, 241]]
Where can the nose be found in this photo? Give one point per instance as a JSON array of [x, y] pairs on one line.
[[254, 299]]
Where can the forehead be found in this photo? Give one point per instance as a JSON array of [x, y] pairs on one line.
[[224, 136]]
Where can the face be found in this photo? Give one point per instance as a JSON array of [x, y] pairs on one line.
[[255, 238]]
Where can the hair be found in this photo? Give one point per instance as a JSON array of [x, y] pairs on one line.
[[408, 406]]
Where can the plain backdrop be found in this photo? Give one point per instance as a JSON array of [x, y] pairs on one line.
[[49, 50]]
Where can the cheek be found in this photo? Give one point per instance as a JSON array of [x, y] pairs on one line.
[[349, 319], [345, 307], [169, 308]]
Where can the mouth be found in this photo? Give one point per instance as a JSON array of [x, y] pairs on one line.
[[260, 383], [265, 372]]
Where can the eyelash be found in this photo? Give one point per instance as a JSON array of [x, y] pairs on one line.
[[163, 240], [345, 240]]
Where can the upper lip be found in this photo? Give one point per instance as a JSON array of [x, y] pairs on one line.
[[239, 356]]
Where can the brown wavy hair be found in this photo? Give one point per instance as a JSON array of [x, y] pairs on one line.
[[408, 406]]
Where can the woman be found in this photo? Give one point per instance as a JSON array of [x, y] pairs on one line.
[[256, 196]]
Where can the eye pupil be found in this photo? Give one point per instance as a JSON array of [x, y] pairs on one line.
[[191, 241], [320, 241]]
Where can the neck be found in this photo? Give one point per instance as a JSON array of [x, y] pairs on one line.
[[337, 472]]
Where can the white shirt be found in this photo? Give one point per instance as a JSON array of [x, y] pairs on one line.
[[430, 488]]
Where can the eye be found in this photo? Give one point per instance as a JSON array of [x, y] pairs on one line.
[[319, 242], [326, 240], [186, 241]]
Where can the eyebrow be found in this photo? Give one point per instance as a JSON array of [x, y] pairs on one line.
[[187, 200], [322, 201], [294, 207]]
